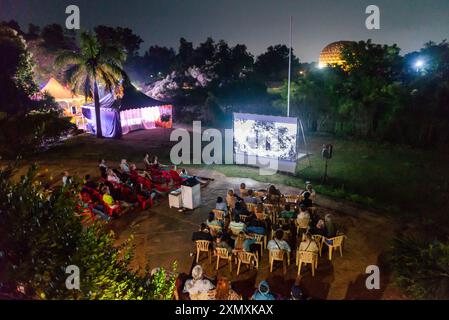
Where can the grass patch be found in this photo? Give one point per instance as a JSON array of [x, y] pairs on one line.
[[407, 182]]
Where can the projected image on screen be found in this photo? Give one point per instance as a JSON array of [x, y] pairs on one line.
[[264, 136]]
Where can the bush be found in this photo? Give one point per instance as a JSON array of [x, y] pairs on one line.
[[421, 268], [40, 235], [23, 134]]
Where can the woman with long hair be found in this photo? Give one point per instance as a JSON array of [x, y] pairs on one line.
[[223, 291]]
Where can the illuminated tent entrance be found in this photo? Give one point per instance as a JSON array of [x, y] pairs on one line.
[[134, 111], [69, 102]]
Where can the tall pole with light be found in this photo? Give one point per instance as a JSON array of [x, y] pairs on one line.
[[289, 68]]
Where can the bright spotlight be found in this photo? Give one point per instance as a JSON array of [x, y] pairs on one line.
[[321, 65], [419, 64]]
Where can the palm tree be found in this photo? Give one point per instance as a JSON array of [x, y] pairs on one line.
[[93, 63]]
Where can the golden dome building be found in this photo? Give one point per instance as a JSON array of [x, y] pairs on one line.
[[331, 54]]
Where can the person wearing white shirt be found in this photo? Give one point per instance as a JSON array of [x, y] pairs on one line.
[[66, 179], [278, 243], [221, 205], [237, 226], [198, 287], [124, 166]]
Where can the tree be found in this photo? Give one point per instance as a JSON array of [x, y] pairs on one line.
[[16, 76], [13, 24], [245, 94], [53, 36], [424, 116], [40, 120], [372, 89], [93, 63], [159, 60], [204, 53], [421, 267], [314, 98], [41, 233], [124, 37], [272, 65], [33, 31], [231, 63], [185, 56]]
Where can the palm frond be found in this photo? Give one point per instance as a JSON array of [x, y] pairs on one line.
[[89, 45], [113, 55], [80, 81], [68, 58], [108, 79]]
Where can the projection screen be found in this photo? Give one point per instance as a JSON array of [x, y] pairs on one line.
[[261, 137]]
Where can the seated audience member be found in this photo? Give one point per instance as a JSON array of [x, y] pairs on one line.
[[250, 197], [303, 213], [239, 241], [244, 243], [137, 177], [273, 194], [240, 209], [319, 228], [124, 166], [86, 203], [223, 291], [154, 161], [112, 177], [287, 212], [220, 205], [278, 243], [307, 202], [198, 287], [309, 189], [202, 234], [231, 199], [184, 175], [133, 171], [221, 243], [66, 179], [211, 221], [308, 244], [243, 191], [103, 168], [236, 225], [260, 209], [89, 183], [146, 161], [250, 217], [256, 226], [331, 228], [141, 184], [109, 200], [273, 190], [263, 292], [296, 292]]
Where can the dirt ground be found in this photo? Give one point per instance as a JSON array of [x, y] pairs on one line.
[[163, 235]]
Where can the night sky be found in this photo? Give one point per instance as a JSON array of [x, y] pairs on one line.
[[256, 23]]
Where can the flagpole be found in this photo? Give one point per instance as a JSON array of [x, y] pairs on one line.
[[289, 68]]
